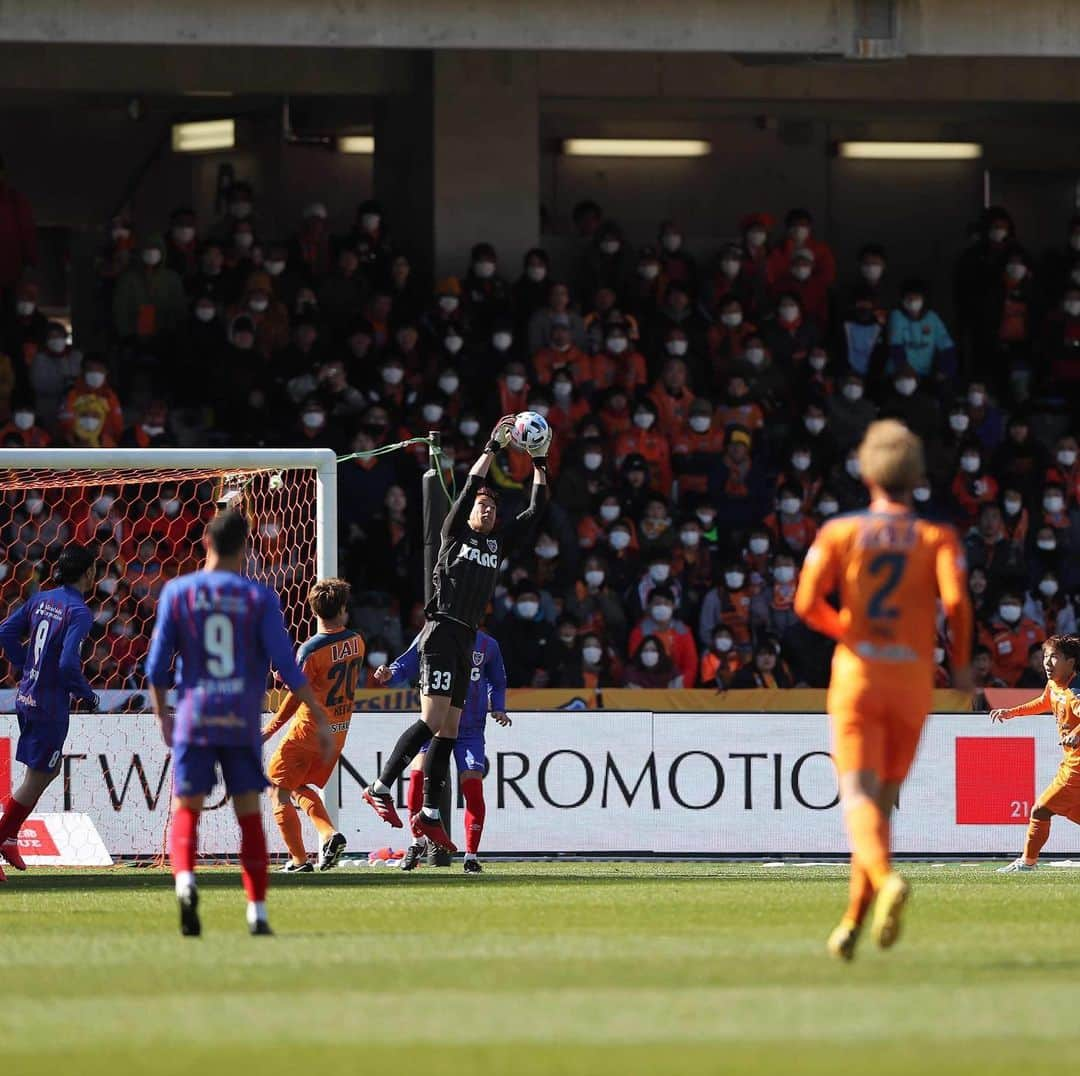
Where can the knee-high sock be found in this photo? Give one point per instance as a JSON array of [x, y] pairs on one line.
[[254, 862], [1037, 835], [183, 840], [860, 893], [311, 804], [869, 834], [416, 793], [14, 815], [436, 771], [475, 812], [405, 750], [288, 821]]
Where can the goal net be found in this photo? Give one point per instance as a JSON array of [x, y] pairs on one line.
[[144, 512]]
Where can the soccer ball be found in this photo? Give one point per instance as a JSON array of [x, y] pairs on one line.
[[531, 432]]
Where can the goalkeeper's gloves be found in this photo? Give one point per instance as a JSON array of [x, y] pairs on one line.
[[540, 463], [93, 704], [540, 453]]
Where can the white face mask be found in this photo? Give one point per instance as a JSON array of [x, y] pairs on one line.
[[1072, 308], [731, 320], [828, 508], [609, 513], [872, 271], [648, 271], [644, 420], [1009, 613], [240, 210], [393, 375], [755, 237], [547, 551], [659, 573], [676, 347], [818, 362], [274, 268], [562, 390], [617, 344], [800, 233], [448, 303], [1048, 587], [370, 221], [170, 506], [921, 494], [1046, 545], [259, 306], [536, 273], [730, 267], [594, 577], [592, 461], [661, 613], [107, 584], [734, 580], [449, 383], [814, 424], [650, 658], [690, 538], [619, 540], [852, 467], [502, 341], [913, 307], [759, 546], [1013, 506], [151, 256], [314, 420], [671, 241], [784, 574], [95, 379], [976, 398], [484, 270], [800, 462], [970, 464], [515, 382], [592, 655], [183, 234], [802, 272], [959, 423], [610, 246], [244, 240], [1015, 271], [57, 345], [453, 344], [541, 409], [24, 420], [432, 412], [998, 235], [939, 655], [705, 518], [700, 423], [1053, 504], [34, 505], [24, 308], [905, 385], [789, 506], [469, 427], [723, 643], [788, 313], [1066, 457], [527, 610], [754, 355], [853, 393], [205, 313]]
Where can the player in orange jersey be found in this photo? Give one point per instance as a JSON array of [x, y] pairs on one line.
[[1061, 659], [888, 568], [333, 662]]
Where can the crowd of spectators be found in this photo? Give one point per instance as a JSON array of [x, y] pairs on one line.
[[705, 412]]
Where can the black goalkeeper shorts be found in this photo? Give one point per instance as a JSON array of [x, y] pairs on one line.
[[446, 649]]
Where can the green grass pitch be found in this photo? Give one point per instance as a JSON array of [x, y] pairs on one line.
[[539, 968]]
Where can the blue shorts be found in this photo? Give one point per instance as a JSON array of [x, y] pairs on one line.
[[41, 740], [468, 752], [195, 769]]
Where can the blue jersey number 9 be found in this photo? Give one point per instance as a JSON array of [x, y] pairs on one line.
[[219, 644]]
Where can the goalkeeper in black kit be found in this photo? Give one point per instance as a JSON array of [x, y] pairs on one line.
[[464, 580]]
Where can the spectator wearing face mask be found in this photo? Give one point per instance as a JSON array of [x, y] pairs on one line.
[[987, 419], [802, 472], [850, 412], [1047, 554], [799, 279], [672, 397], [584, 475], [513, 388], [868, 283], [676, 639], [623, 565], [739, 407], [315, 429], [242, 255], [564, 656], [738, 486], [52, 372], [1014, 314], [167, 521], [925, 503], [816, 435], [270, 317], [529, 292], [22, 429], [646, 289], [846, 483], [240, 206], [655, 532], [791, 528], [1060, 342], [1020, 459], [767, 670], [607, 311], [692, 564], [486, 291], [790, 336], [1055, 515], [808, 655], [377, 310], [1009, 637], [181, 243], [756, 248], [90, 416], [720, 662], [816, 381], [972, 487], [1047, 606], [1014, 516], [726, 338], [651, 667], [619, 363], [24, 326], [988, 547], [696, 448], [595, 604], [342, 293], [918, 338], [646, 441], [607, 262], [732, 280], [677, 312], [600, 666], [800, 236], [978, 272], [525, 638], [1064, 468], [210, 279], [678, 264], [728, 604], [554, 568], [773, 607], [912, 401], [151, 430], [561, 354], [677, 347], [149, 303], [865, 341], [557, 306], [309, 254]]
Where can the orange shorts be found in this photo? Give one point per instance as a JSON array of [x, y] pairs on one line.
[[296, 763], [876, 726], [1062, 795]]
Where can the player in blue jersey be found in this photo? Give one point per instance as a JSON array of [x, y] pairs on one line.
[[42, 640], [225, 630], [486, 694]]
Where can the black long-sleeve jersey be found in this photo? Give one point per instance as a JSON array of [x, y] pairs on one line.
[[468, 564]]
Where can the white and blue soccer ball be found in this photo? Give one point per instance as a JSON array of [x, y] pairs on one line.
[[531, 432]]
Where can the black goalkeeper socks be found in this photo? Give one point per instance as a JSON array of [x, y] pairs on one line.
[[436, 773], [405, 750]]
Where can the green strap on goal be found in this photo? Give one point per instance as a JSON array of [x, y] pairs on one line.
[[450, 491]]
